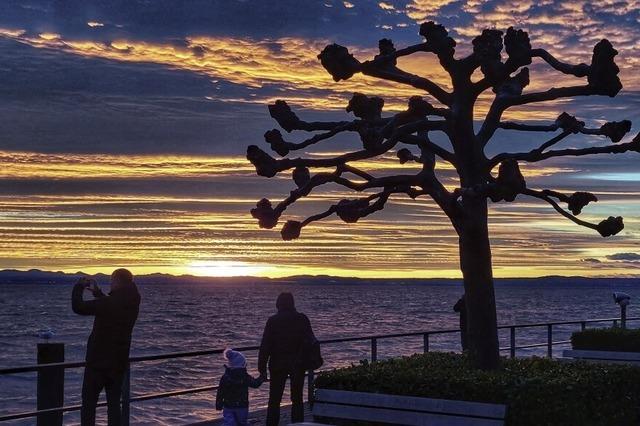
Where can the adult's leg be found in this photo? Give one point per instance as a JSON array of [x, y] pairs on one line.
[[228, 417], [92, 384], [113, 389], [297, 402], [242, 416], [276, 389]]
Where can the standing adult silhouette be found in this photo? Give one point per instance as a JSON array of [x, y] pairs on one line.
[[461, 308], [280, 350], [108, 345]]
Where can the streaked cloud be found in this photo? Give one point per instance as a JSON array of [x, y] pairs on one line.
[[186, 214], [627, 257]]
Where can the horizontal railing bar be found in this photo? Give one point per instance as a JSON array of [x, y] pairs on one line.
[[173, 355], [143, 397], [543, 324], [388, 336], [37, 367], [172, 393], [187, 391], [27, 414], [537, 345]]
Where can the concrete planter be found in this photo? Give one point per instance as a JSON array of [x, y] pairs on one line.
[[604, 356], [373, 408]]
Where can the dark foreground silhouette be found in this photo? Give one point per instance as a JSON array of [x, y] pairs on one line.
[[108, 345], [461, 308], [282, 350], [233, 391]]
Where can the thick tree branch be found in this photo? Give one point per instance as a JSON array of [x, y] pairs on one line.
[[606, 228], [282, 147], [554, 140], [428, 145], [347, 168], [576, 201], [371, 127], [491, 121], [380, 200], [501, 104], [580, 70], [288, 120], [390, 56], [324, 178], [542, 196], [349, 211], [551, 94], [342, 65], [510, 125], [399, 76], [536, 155], [268, 166], [614, 130]]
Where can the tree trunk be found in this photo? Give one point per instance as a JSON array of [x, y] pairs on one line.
[[475, 263]]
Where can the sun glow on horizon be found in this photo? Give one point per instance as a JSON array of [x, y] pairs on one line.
[[226, 268], [230, 269]]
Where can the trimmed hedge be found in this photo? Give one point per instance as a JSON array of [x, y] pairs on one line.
[[607, 339], [537, 391]]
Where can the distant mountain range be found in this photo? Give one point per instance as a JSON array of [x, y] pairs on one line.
[[37, 276]]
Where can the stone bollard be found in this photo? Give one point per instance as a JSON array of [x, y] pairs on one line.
[[50, 383]]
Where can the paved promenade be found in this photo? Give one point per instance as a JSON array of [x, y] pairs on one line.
[[258, 417]]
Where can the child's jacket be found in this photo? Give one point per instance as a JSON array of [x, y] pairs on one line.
[[233, 391]]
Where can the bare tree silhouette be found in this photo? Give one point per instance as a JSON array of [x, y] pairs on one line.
[[465, 206]]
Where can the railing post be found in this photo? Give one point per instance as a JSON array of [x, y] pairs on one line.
[[615, 323], [550, 340], [374, 349], [583, 325], [513, 342], [50, 390], [310, 393], [126, 397], [425, 342]]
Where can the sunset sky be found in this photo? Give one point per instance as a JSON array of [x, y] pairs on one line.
[[124, 124]]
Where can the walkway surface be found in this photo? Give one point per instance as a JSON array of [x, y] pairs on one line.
[[259, 417]]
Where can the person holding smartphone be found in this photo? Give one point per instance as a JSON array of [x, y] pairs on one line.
[[109, 342]]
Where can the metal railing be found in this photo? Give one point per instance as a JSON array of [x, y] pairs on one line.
[[127, 399]]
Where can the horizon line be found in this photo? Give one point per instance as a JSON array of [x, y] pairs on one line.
[[186, 275]]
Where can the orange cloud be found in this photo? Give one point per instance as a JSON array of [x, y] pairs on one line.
[[290, 64]]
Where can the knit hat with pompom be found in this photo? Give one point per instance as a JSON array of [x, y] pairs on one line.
[[235, 359]]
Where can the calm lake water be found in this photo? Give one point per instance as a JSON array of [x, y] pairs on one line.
[[179, 317]]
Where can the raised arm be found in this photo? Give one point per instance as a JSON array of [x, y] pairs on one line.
[[87, 307]]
